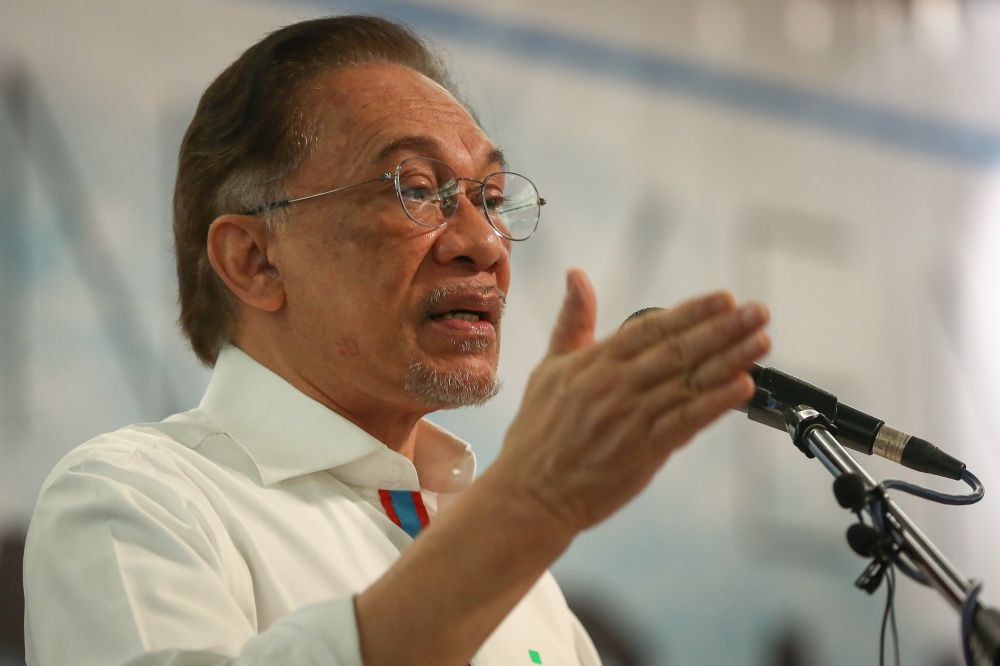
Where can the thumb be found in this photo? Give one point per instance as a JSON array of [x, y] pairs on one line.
[[575, 327]]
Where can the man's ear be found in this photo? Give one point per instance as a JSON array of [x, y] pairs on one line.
[[237, 250]]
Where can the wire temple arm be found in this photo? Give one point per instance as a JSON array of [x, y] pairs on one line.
[[288, 202]]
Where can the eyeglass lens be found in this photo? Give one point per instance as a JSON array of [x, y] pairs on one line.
[[430, 191]]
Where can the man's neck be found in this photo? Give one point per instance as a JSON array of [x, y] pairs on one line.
[[386, 422]]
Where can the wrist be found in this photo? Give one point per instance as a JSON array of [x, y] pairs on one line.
[[530, 508]]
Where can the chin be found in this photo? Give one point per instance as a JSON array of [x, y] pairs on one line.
[[453, 385]]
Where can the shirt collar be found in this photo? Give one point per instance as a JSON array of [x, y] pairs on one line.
[[287, 434]]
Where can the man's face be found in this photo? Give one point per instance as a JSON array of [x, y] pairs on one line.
[[380, 309]]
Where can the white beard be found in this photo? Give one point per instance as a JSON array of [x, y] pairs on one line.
[[447, 390]]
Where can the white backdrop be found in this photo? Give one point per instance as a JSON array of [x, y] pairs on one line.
[[840, 165]]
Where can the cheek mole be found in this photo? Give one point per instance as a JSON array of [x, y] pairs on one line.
[[347, 347]]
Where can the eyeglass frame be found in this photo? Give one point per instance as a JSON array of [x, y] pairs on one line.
[[394, 178]]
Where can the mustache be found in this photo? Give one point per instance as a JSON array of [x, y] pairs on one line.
[[437, 295]]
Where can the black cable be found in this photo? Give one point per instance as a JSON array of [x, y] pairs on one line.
[[881, 635], [909, 570], [880, 523], [891, 582], [878, 510], [969, 607], [892, 555], [889, 612], [942, 498]]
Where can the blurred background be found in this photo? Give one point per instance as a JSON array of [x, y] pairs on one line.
[[837, 159]]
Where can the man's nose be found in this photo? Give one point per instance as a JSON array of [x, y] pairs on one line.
[[469, 238]]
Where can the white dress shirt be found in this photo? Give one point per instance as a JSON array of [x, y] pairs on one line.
[[239, 532]]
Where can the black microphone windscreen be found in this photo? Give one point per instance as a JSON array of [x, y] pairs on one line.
[[863, 539], [849, 490], [639, 313]]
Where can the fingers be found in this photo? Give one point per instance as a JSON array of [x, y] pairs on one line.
[[574, 328], [709, 352], [639, 335], [691, 376], [676, 426], [664, 391], [721, 367]]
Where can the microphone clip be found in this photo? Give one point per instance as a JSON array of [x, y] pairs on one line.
[[802, 420], [871, 578], [868, 541]]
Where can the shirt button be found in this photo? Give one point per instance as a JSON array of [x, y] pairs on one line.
[[395, 474]]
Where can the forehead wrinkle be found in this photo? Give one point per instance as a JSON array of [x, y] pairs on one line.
[[421, 110], [380, 123], [427, 146], [417, 144], [418, 108]]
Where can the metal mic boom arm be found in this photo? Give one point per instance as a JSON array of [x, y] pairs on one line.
[[808, 429]]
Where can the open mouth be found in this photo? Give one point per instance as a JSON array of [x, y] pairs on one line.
[[462, 315], [461, 306]]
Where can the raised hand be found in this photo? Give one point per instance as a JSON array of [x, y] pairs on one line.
[[599, 419]]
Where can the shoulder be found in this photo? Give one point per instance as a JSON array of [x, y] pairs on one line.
[[138, 454], [136, 485]]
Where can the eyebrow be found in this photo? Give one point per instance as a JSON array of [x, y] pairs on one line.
[[422, 145]]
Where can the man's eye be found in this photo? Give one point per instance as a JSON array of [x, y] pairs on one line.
[[418, 193], [493, 202], [418, 179]]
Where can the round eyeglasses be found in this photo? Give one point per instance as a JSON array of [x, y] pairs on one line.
[[429, 192]]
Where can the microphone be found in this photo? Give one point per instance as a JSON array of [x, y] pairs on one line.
[[851, 427]]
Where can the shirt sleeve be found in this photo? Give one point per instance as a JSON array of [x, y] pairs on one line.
[[127, 564]]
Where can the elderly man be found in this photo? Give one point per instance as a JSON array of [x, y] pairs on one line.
[[343, 236]]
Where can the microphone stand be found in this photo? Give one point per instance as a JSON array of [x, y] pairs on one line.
[[810, 431]]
